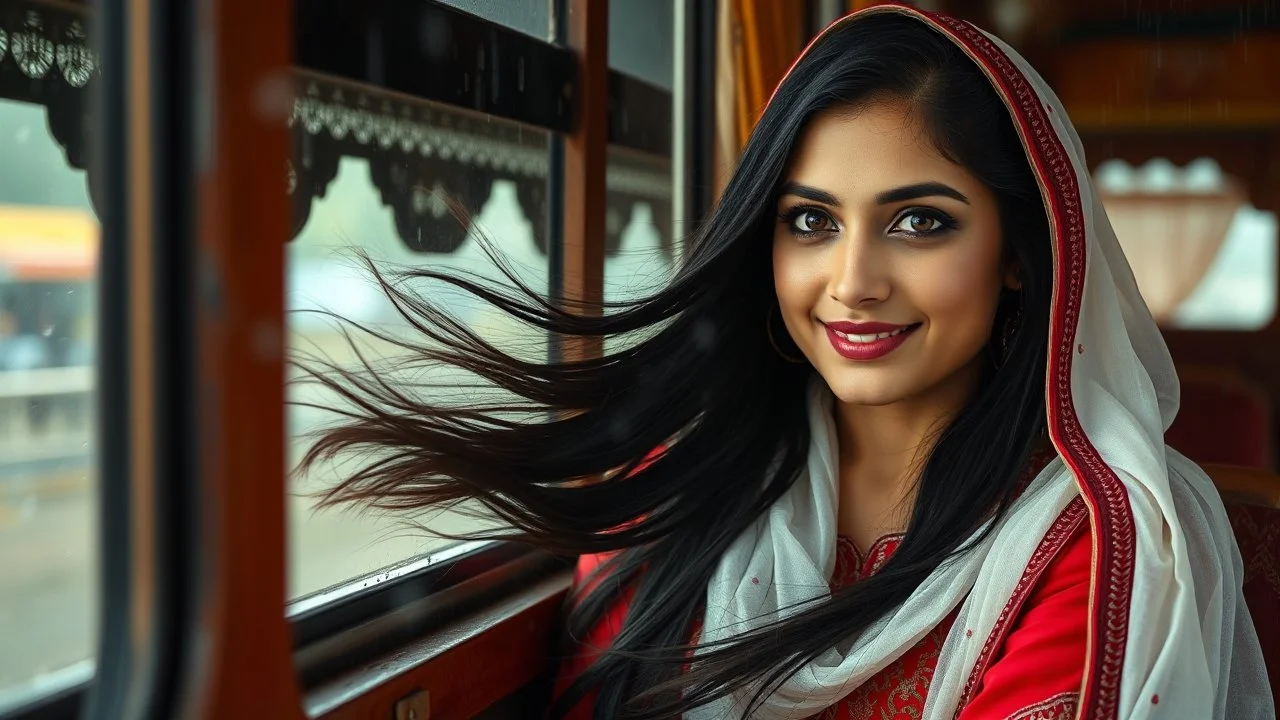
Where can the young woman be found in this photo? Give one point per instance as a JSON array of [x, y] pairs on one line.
[[910, 408]]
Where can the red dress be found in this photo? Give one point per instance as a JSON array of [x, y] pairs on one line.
[[1032, 665]]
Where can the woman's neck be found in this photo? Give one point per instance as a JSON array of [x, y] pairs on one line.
[[881, 453]]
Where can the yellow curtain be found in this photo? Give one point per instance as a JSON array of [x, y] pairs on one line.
[[756, 42]]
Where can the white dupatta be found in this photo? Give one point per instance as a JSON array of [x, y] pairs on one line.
[[1169, 633]]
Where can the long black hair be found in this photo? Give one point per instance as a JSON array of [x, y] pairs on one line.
[[704, 384]]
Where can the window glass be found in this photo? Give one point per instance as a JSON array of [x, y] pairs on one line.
[[640, 248], [641, 40], [532, 17], [1203, 257], [48, 267], [371, 173], [1238, 290]]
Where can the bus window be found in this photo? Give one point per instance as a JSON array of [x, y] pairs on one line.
[[389, 197], [641, 233], [641, 249], [379, 172], [384, 166], [49, 238]]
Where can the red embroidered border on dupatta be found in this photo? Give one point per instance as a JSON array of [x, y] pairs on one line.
[[1114, 533], [1112, 517]]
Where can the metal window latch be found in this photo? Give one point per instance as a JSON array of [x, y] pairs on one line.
[[414, 707]]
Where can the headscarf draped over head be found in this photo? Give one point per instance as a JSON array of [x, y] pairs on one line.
[[1168, 627]]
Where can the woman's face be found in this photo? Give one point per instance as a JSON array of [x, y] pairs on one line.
[[878, 233]]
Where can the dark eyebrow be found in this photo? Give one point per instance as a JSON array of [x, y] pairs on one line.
[[810, 193], [920, 190], [896, 195]]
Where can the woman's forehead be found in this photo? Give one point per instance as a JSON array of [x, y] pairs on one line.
[[869, 148]]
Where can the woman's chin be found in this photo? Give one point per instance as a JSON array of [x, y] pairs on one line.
[[869, 392]]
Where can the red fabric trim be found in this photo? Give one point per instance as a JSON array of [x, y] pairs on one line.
[[1062, 530], [1114, 534]]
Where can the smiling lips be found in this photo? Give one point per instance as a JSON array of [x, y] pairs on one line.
[[867, 341]]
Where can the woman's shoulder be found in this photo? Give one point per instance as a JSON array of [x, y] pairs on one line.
[[590, 565], [590, 572], [1033, 660], [1201, 515]]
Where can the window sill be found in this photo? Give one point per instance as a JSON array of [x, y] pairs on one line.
[[56, 696], [494, 634]]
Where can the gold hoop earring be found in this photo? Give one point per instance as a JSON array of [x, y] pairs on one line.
[[768, 331]]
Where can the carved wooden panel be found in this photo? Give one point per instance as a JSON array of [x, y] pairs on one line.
[[427, 160]]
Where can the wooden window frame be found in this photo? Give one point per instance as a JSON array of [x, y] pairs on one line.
[[194, 485]]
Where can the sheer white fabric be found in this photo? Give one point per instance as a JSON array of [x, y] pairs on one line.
[[1189, 641]]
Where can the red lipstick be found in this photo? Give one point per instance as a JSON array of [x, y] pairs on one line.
[[867, 341]]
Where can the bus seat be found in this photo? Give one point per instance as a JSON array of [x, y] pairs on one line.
[[1252, 498], [1224, 418]]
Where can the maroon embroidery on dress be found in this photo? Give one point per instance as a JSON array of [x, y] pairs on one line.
[[1054, 540], [848, 563], [897, 692], [853, 565], [879, 553], [1059, 707]]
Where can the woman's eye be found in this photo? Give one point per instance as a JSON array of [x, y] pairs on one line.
[[811, 221], [919, 223]]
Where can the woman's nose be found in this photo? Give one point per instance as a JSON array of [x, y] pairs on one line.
[[859, 270]]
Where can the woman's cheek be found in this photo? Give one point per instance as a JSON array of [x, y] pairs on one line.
[[795, 274], [959, 293]]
